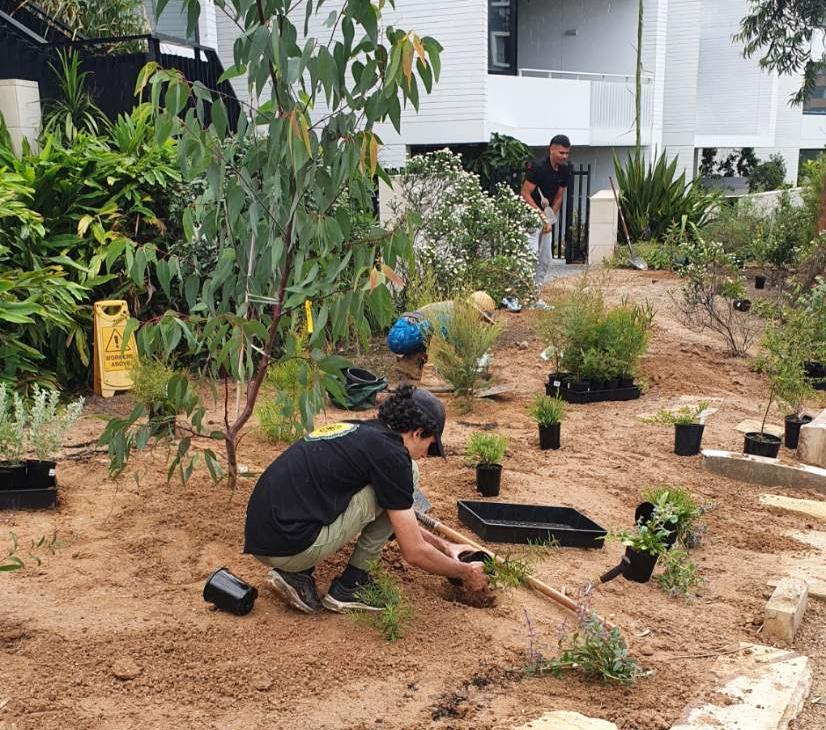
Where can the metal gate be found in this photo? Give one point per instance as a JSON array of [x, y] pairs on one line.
[[570, 234]]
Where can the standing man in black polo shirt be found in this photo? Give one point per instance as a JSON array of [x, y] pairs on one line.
[[543, 188], [345, 480]]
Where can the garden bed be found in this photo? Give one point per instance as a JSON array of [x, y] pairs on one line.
[[112, 631]]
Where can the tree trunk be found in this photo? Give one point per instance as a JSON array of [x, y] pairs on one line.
[[232, 460], [638, 82], [821, 221]]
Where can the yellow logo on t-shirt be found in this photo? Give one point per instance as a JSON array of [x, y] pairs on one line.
[[331, 431]]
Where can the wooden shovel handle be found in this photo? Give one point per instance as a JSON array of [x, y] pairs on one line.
[[534, 583]]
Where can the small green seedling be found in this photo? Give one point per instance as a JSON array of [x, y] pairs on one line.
[[485, 448], [547, 411], [679, 575], [507, 572], [682, 416], [383, 592]]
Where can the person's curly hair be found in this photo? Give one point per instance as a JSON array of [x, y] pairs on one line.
[[401, 414]]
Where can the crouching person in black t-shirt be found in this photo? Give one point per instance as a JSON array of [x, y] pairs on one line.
[[348, 479]]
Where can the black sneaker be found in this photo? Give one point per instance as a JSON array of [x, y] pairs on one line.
[[344, 600], [297, 589]]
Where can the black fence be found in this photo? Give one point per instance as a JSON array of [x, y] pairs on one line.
[[30, 41], [570, 234]]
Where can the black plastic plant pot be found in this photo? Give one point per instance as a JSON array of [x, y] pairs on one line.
[[12, 477], [742, 305], [761, 444], [40, 474], [612, 384], [580, 386], [639, 565], [549, 437], [759, 282], [488, 479], [815, 370], [471, 556], [687, 438], [626, 382], [791, 434], [359, 376], [229, 593], [597, 385]]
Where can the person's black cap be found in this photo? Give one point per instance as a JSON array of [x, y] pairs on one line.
[[432, 407]]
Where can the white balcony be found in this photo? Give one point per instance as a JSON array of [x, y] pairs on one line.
[[591, 108]]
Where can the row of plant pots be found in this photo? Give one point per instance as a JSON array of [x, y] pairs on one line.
[[583, 386]]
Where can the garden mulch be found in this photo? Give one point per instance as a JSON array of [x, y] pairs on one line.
[[111, 631]]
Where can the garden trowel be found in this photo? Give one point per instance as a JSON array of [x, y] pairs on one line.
[[636, 261]]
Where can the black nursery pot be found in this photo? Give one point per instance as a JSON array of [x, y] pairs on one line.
[[597, 385], [761, 444], [687, 438], [580, 386], [12, 477], [640, 565], [230, 593], [742, 305], [791, 433], [549, 437], [759, 282], [471, 556], [488, 479], [612, 384], [626, 382], [41, 474]]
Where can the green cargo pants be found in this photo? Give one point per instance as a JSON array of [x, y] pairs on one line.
[[364, 515]]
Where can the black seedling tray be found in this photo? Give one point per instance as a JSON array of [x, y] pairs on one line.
[[524, 523], [28, 498], [593, 396]]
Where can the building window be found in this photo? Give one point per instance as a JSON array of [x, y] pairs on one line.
[[816, 103], [502, 36]]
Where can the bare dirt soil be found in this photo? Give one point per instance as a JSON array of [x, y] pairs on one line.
[[112, 632]]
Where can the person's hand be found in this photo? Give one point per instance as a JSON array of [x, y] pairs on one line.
[[546, 226], [475, 579], [454, 551]]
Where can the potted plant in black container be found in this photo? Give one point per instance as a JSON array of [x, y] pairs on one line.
[[48, 424], [689, 424], [12, 440], [643, 546], [787, 347], [487, 451], [548, 412]]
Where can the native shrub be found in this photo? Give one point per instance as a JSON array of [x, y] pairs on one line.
[[466, 234]]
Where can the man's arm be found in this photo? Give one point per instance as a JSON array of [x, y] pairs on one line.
[[423, 554], [451, 549], [527, 189], [557, 204]]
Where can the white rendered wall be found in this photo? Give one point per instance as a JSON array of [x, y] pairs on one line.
[[172, 21], [605, 40], [812, 131], [20, 110]]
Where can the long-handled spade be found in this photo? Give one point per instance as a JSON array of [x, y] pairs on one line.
[[422, 505], [636, 261]]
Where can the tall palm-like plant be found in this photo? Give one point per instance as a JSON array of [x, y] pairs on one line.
[[77, 109]]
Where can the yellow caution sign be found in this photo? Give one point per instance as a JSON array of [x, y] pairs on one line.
[[113, 360]]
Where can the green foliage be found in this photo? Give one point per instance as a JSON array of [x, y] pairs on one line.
[[507, 572], [485, 448], [659, 255], [99, 18], [76, 111], [465, 234], [76, 216], [276, 184], [290, 380], [383, 591], [736, 225], [713, 282], [768, 175], [151, 378], [684, 415], [12, 426], [13, 561], [592, 341], [504, 158], [591, 646], [49, 422], [648, 537], [457, 345], [653, 197], [547, 411], [679, 574], [683, 510]]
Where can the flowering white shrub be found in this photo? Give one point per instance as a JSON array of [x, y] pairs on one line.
[[463, 233]]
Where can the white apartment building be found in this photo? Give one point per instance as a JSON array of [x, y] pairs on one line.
[[535, 68]]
